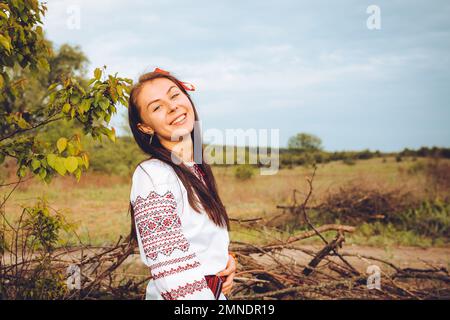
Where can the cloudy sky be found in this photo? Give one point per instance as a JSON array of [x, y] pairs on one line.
[[296, 66]]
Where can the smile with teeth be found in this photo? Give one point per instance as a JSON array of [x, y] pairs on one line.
[[179, 120]]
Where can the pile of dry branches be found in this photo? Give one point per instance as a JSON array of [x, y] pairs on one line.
[[82, 272], [329, 273], [356, 204]]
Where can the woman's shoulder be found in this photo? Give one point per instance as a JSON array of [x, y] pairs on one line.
[[155, 169]]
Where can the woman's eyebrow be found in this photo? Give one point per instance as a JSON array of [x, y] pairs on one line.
[[160, 99]]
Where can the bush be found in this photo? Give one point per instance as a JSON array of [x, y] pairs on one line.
[[33, 238], [243, 172], [437, 176], [43, 227], [319, 158], [119, 158], [349, 161], [365, 154], [430, 218]]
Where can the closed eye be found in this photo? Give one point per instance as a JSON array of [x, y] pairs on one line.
[[175, 95], [156, 108]]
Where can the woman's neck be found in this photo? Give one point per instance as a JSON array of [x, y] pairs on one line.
[[183, 149]]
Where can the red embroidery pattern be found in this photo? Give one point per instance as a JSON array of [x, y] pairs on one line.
[[159, 224], [160, 230], [168, 262], [176, 270], [182, 291]]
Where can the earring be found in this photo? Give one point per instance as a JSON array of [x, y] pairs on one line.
[[151, 138]]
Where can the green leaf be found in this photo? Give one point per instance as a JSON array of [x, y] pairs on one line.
[[59, 166], [5, 42], [71, 149], [43, 64], [78, 174], [52, 86], [91, 81], [71, 164], [35, 163], [97, 73], [97, 97], [85, 160], [22, 171], [104, 103], [61, 144], [85, 105], [39, 30], [42, 173], [75, 99], [22, 123], [66, 108], [111, 134], [119, 89], [51, 159]]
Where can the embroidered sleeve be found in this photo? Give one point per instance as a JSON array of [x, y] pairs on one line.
[[163, 245]]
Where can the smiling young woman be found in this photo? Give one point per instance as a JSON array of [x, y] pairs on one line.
[[178, 219]]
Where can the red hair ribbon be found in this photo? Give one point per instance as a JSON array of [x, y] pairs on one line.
[[186, 85]]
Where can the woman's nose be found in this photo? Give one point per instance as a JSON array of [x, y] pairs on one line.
[[173, 106]]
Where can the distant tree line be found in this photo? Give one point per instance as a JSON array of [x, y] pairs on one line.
[[122, 156], [426, 152]]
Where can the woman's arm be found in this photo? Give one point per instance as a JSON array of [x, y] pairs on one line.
[[163, 246]]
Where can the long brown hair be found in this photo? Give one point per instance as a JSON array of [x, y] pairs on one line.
[[208, 195]]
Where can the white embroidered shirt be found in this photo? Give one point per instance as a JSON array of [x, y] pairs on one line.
[[177, 243]]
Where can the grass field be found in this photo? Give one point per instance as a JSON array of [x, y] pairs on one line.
[[97, 206]]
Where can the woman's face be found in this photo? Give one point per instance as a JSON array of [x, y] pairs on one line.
[[165, 110]]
